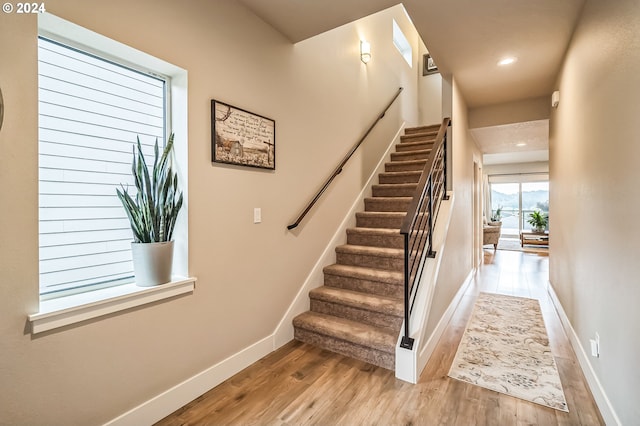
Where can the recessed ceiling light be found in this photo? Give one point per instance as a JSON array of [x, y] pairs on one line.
[[521, 144], [507, 61]]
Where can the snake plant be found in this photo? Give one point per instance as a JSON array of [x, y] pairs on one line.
[[153, 212]]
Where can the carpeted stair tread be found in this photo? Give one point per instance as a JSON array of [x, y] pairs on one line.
[[424, 136], [410, 155], [363, 279], [415, 146], [380, 237], [351, 331], [387, 204], [422, 129], [380, 219], [371, 257], [405, 166], [371, 251], [399, 177], [382, 304], [370, 274], [394, 189]]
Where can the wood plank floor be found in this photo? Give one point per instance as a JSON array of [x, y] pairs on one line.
[[300, 384]]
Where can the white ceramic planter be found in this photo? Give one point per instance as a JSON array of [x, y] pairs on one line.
[[152, 263]]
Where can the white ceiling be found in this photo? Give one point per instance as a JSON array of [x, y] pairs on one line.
[[466, 39], [514, 143]]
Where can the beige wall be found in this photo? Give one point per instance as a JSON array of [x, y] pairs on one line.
[[595, 201], [457, 260], [430, 87], [510, 112], [322, 99]]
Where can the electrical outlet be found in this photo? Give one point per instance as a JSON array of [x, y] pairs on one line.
[[257, 215]]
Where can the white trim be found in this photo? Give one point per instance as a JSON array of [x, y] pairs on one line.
[[167, 402], [430, 345], [602, 401], [56, 313], [284, 330]]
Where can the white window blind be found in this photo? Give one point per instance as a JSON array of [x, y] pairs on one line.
[[91, 111]]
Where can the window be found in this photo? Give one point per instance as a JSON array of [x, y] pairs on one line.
[[402, 44], [90, 112], [517, 196]]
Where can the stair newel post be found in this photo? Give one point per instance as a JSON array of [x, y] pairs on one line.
[[407, 342]]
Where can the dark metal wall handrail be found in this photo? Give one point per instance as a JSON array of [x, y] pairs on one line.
[[417, 227], [338, 169]]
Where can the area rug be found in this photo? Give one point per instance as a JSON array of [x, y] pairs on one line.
[[513, 244], [505, 348]]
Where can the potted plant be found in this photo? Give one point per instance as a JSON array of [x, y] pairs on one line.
[[152, 214], [497, 216], [538, 220]]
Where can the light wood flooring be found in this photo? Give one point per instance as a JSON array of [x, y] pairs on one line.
[[300, 384]]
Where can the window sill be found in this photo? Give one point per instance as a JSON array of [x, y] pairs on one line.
[[73, 309]]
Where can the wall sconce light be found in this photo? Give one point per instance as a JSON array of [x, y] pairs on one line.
[[365, 51], [555, 99]]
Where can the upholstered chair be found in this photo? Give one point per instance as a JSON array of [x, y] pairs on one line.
[[491, 233]]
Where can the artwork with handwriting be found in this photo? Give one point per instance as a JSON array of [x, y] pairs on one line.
[[242, 138]]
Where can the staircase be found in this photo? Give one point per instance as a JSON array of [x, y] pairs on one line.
[[358, 312]]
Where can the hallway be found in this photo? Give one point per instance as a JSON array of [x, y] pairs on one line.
[[300, 384]]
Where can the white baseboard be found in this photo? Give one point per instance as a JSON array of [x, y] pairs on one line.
[[181, 394], [430, 345], [602, 401], [284, 331]]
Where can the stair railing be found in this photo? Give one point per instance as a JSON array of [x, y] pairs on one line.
[[417, 227], [338, 169]]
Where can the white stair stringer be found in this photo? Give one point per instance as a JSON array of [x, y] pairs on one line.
[[410, 363]]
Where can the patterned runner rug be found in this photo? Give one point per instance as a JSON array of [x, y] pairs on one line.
[[505, 348]]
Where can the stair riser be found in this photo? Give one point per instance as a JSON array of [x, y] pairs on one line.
[[377, 319], [379, 222], [368, 261], [372, 356], [385, 205], [400, 166], [410, 155], [365, 286], [397, 191], [391, 179], [372, 240], [413, 146]]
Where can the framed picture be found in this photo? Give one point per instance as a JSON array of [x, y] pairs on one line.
[[429, 67], [241, 137]]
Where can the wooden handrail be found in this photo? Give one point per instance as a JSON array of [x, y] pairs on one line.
[[412, 211], [338, 169]]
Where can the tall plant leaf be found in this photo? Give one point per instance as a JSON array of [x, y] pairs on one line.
[[154, 211]]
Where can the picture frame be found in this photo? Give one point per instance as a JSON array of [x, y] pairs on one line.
[[428, 65], [242, 138]]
